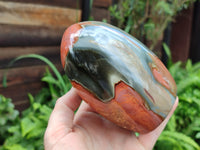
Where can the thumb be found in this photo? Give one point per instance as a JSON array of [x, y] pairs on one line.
[[61, 119]]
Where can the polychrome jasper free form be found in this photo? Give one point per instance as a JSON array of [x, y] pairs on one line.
[[117, 75]]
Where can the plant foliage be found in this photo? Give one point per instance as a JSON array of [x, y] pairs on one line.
[[146, 19], [183, 130], [26, 132], [8, 116]]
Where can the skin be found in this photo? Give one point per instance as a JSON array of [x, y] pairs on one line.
[[86, 130]]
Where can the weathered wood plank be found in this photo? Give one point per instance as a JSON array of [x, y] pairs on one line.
[[62, 3], [22, 81], [38, 15], [12, 52], [195, 36], [102, 3], [18, 93], [21, 75], [22, 35], [100, 13], [17, 76], [35, 23], [180, 35], [9, 53], [100, 10]]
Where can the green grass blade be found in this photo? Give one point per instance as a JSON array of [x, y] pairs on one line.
[[181, 137], [167, 143], [196, 67], [51, 81], [188, 66], [42, 58], [169, 55]]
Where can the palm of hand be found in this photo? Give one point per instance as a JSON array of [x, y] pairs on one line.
[[87, 130]]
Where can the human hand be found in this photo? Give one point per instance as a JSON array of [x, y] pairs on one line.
[[87, 130]]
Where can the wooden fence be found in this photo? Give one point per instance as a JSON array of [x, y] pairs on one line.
[[34, 26], [29, 26]]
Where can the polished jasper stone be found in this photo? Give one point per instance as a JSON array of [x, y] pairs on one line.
[[117, 75]]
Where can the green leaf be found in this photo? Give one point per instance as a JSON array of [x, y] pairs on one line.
[[197, 136], [104, 20], [14, 129], [14, 116], [8, 117], [181, 86], [149, 26], [129, 24], [168, 53], [175, 68], [31, 98], [50, 79], [167, 143], [171, 125], [188, 65], [26, 125], [15, 147], [39, 132], [43, 96], [45, 110], [164, 7], [15, 138], [196, 67], [39, 127], [2, 121], [182, 138], [36, 106], [53, 84]]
